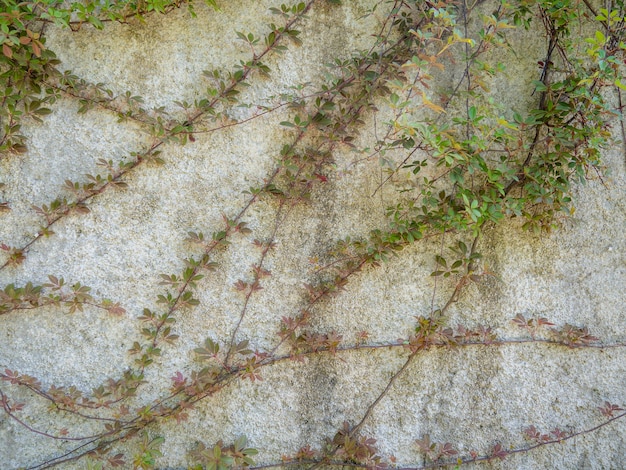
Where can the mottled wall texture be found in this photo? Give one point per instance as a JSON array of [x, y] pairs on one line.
[[473, 396]]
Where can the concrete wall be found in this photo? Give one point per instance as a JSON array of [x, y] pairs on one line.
[[472, 397]]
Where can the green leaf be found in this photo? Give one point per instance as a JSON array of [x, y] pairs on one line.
[[213, 4], [472, 113], [95, 22], [619, 84]]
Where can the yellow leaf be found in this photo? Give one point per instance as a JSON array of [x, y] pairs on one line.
[[431, 105], [507, 124]]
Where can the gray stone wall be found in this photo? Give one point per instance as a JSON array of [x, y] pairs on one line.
[[472, 396]]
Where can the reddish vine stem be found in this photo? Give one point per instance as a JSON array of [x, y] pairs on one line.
[[231, 375], [144, 156], [106, 103], [184, 287], [453, 298], [47, 304], [442, 464], [228, 229], [75, 25], [370, 409], [622, 128], [9, 412], [259, 265], [482, 47]]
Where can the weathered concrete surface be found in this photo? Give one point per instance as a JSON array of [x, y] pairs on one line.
[[471, 397]]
